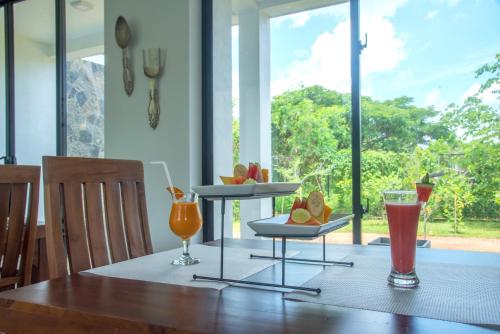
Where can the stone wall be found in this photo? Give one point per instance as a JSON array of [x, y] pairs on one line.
[[85, 103]]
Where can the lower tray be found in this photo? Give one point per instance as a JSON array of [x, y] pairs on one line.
[[276, 227]]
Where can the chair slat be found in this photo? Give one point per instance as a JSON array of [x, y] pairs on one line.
[[30, 235], [78, 250], [15, 229], [4, 214], [141, 193], [56, 251], [95, 224], [132, 219], [114, 221]]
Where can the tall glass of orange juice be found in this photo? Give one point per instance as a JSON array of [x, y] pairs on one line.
[[185, 222]]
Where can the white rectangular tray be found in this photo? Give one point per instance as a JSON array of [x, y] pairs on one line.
[[246, 190], [276, 226]]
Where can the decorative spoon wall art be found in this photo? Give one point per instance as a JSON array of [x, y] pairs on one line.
[[122, 36], [152, 69]]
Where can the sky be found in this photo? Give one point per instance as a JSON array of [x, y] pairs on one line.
[[425, 49]]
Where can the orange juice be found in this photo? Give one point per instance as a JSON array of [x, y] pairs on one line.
[[185, 219]]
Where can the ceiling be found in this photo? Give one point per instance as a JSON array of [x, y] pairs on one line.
[[35, 20], [275, 8]]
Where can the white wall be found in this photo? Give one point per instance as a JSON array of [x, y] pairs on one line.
[[174, 25]]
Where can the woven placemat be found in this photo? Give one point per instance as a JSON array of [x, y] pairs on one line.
[[451, 292], [157, 268]]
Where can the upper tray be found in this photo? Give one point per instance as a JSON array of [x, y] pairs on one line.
[[246, 191], [276, 227]]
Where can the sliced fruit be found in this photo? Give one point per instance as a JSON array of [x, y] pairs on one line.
[[250, 181], [174, 190], [300, 216], [326, 214], [265, 175], [424, 191], [240, 179], [313, 222], [252, 171], [228, 179], [258, 176], [240, 170], [316, 204], [296, 205]]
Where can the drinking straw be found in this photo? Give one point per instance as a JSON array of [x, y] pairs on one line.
[[167, 174]]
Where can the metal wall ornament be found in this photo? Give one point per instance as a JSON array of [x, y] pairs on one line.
[[122, 36], [152, 63]]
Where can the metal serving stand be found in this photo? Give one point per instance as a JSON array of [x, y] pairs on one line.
[[342, 221]]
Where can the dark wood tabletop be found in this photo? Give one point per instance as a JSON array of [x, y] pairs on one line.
[[86, 303]]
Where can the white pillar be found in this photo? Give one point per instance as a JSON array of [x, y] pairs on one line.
[[222, 106], [255, 105]]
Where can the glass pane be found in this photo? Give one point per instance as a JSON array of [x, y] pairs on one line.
[[2, 86], [430, 105], [35, 80], [310, 88], [85, 78]]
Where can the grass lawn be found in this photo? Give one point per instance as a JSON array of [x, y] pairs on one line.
[[467, 229]]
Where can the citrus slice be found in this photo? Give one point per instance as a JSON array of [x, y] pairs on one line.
[[316, 204], [228, 179], [174, 190], [240, 170], [326, 214], [300, 216]]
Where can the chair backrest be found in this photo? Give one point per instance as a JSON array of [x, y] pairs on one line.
[[19, 187], [95, 212]]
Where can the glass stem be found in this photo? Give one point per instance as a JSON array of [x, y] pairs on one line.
[[185, 246], [425, 221]]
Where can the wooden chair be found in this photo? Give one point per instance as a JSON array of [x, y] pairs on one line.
[[19, 187], [95, 212]]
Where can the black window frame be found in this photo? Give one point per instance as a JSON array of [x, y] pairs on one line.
[[207, 117], [10, 108]]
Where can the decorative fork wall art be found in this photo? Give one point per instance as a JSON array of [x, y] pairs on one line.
[[153, 69]]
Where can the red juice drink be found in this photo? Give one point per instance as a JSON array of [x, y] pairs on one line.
[[403, 225], [403, 211]]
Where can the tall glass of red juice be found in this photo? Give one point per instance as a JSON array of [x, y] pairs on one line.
[[403, 211]]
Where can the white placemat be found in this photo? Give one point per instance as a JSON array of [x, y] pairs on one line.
[[157, 267], [451, 292]]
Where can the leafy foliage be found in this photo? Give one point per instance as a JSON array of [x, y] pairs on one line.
[[311, 138]]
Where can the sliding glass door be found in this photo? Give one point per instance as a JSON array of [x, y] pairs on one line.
[[35, 81]]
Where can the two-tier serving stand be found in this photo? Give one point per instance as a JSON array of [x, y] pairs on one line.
[[339, 221]]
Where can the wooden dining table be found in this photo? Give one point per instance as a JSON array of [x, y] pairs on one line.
[[88, 303]]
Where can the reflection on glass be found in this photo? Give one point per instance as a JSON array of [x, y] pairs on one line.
[[35, 80], [85, 79]]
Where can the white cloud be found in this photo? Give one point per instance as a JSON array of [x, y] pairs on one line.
[[488, 96], [329, 61], [449, 3], [436, 99], [431, 15]]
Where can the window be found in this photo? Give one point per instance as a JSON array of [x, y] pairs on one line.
[[85, 79]]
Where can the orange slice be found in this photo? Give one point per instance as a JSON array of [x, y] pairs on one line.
[[228, 179], [326, 214], [174, 190]]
